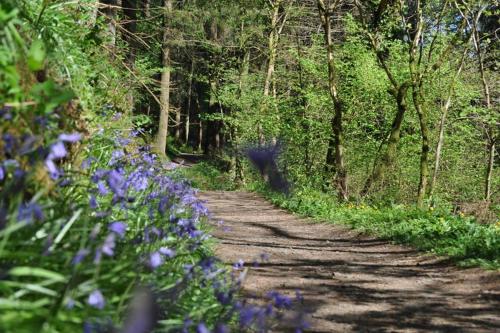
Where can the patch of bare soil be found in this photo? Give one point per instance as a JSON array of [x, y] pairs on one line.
[[351, 282]]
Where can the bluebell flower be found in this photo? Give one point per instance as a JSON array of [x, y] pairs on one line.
[[92, 202], [247, 315], [86, 163], [5, 113], [123, 141], [9, 142], [80, 256], [65, 182], [96, 300], [163, 204], [2, 173], [280, 301], [156, 260], [116, 156], [98, 256], [109, 245], [138, 180], [118, 228], [186, 325], [102, 189], [224, 298], [57, 151], [202, 328], [19, 174], [115, 183], [221, 328], [71, 138], [29, 212], [167, 252], [98, 175], [54, 172]]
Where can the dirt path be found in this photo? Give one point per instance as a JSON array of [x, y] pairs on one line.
[[352, 283]]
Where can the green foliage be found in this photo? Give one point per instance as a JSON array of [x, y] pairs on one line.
[[458, 237], [48, 218], [208, 177]]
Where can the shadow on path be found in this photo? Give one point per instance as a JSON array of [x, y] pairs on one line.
[[351, 282]]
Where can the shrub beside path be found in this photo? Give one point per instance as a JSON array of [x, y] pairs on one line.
[[351, 282]]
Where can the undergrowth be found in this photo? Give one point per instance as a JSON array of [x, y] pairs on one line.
[[97, 233], [438, 231]]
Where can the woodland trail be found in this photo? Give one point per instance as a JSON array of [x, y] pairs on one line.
[[351, 282]]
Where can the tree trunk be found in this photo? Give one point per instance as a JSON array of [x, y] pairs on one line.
[[387, 159], [200, 136], [305, 121], [489, 169], [336, 123], [161, 140], [424, 155], [272, 44], [110, 10], [444, 114], [178, 125], [147, 8], [188, 111], [239, 176], [273, 39], [490, 139]]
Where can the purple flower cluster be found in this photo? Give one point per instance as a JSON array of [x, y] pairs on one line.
[[20, 158], [126, 183]]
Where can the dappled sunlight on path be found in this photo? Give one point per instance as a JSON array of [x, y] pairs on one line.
[[351, 282]]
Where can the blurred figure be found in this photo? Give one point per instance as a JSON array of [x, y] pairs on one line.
[[265, 160]]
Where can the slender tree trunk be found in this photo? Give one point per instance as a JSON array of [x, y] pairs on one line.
[[382, 164], [273, 39], [305, 121], [489, 169], [444, 113], [490, 135], [424, 155], [490, 138], [272, 44], [161, 140], [188, 111], [238, 163], [336, 123], [178, 125], [200, 136], [110, 10], [147, 8]]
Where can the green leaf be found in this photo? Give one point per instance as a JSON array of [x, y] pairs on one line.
[[36, 55], [6, 304], [38, 272]]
